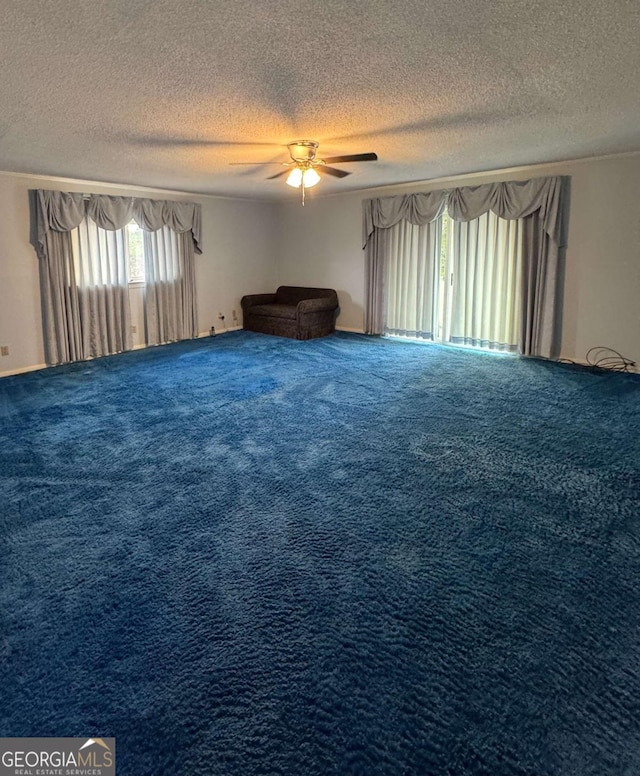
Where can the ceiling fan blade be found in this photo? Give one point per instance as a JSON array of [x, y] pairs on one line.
[[333, 171], [254, 163], [161, 141], [352, 158], [277, 175]]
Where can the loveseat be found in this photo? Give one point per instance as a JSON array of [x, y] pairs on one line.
[[293, 311]]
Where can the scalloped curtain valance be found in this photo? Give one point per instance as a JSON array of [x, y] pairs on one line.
[[510, 199], [62, 211]]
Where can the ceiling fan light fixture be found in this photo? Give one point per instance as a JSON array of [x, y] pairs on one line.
[[295, 178], [301, 174], [310, 178]]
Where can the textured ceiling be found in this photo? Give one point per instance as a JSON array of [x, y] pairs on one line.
[[166, 93]]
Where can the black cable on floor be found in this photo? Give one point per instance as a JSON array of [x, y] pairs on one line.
[[605, 359]]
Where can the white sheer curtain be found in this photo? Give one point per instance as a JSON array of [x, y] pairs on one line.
[[170, 298], [100, 265], [485, 256], [412, 279]]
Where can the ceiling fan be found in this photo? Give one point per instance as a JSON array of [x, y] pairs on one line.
[[303, 171]]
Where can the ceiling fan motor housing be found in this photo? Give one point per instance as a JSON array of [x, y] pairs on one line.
[[303, 150]]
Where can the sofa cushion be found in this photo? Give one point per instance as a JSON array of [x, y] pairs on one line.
[[295, 294], [275, 310]]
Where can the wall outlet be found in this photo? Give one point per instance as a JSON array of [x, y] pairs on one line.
[[134, 329], [221, 316], [4, 350]]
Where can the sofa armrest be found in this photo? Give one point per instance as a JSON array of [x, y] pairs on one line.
[[317, 305], [253, 299]]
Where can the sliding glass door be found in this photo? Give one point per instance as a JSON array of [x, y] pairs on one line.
[[455, 282]]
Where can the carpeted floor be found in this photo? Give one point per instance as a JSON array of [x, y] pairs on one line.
[[248, 555]]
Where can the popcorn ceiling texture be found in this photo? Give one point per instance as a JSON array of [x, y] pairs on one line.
[[167, 93]]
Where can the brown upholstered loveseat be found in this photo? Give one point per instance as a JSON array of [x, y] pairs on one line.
[[301, 313]]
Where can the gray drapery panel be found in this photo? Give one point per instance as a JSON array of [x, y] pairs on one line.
[[539, 199], [170, 295], [375, 255], [540, 290], [189, 304], [63, 211], [60, 303]]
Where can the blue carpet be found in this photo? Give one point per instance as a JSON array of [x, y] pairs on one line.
[[248, 555]]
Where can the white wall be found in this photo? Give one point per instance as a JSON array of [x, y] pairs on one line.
[[320, 245], [20, 318], [238, 238], [238, 249]]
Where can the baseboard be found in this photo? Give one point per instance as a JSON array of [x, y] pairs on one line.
[[348, 328], [220, 331], [21, 370]]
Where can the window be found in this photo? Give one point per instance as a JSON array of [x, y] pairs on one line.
[[135, 253]]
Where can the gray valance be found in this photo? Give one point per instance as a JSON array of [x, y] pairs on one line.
[[417, 209], [510, 199], [61, 211]]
